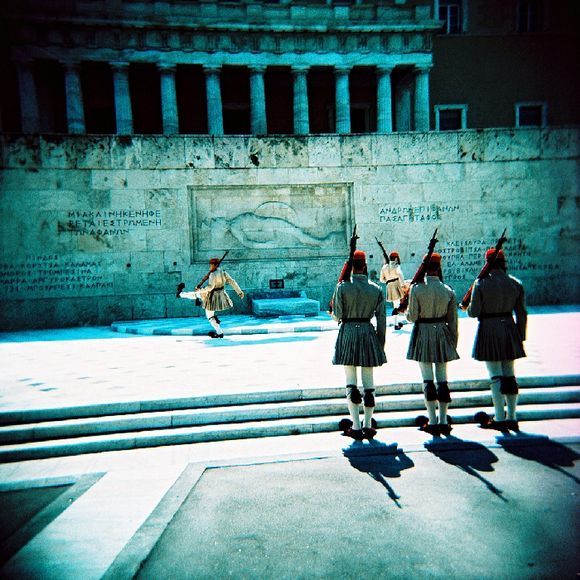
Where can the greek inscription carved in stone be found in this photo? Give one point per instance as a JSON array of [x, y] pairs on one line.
[[109, 222], [415, 213]]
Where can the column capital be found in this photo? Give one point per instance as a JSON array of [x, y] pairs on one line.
[[423, 68], [215, 69], [118, 65], [166, 67], [299, 69], [258, 68], [70, 63], [385, 69], [342, 69]]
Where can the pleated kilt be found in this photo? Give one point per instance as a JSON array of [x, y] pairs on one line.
[[217, 300], [498, 339], [357, 345], [431, 342]]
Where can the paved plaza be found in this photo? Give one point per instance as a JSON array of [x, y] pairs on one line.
[[478, 504]]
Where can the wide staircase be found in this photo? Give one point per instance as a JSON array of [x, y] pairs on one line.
[[42, 433]]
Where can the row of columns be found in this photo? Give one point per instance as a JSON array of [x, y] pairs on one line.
[[170, 119]]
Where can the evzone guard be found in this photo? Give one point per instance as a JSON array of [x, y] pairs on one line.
[[392, 275], [359, 344], [493, 299], [432, 307], [213, 297]]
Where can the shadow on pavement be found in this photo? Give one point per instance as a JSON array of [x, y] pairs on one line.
[[380, 461], [542, 449], [469, 456], [228, 342]]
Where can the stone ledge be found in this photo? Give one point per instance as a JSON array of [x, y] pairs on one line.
[[283, 303]]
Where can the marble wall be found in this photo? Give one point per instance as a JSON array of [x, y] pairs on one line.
[[96, 229]]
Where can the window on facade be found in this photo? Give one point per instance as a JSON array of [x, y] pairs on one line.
[[450, 117], [450, 13], [191, 99], [530, 115], [321, 100], [145, 89], [530, 16], [235, 86], [279, 100], [98, 97], [363, 98]]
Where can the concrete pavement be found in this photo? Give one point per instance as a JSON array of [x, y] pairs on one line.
[[277, 507]]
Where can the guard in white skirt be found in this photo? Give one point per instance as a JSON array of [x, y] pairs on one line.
[[499, 339], [433, 309], [392, 276], [214, 297], [359, 344]]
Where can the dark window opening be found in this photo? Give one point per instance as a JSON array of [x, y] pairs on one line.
[[363, 98], [235, 87], [450, 119], [50, 92], [98, 97], [321, 100], [530, 16], [530, 116], [191, 99], [450, 13], [145, 89], [279, 84]]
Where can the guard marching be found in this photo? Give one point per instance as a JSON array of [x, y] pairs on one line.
[[213, 296]]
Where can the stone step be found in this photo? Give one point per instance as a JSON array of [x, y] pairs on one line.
[[256, 429], [23, 416], [156, 420]]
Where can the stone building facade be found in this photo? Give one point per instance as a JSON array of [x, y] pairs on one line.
[[142, 138]]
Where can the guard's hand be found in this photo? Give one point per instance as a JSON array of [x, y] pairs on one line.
[[241, 295]]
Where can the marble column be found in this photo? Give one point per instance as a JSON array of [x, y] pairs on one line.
[[384, 100], [169, 114], [258, 101], [123, 111], [29, 110], [215, 117], [342, 101], [422, 98], [75, 112], [301, 119]]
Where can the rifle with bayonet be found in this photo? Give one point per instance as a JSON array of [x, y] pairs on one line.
[[385, 255], [347, 268], [419, 274], [485, 270]]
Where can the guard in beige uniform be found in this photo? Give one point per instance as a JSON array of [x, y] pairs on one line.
[[359, 344], [392, 276], [499, 339], [433, 309], [214, 297]]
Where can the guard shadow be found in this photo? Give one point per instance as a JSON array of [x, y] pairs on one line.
[[469, 456], [380, 461], [231, 340], [542, 449]]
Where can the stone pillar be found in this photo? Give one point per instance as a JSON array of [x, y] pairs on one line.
[[29, 111], [215, 116], [342, 101], [258, 101], [75, 112], [301, 119], [422, 98], [384, 100], [169, 113], [123, 111]]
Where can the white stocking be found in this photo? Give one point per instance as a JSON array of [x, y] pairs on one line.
[[354, 414], [511, 406], [432, 411], [498, 399], [443, 413]]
